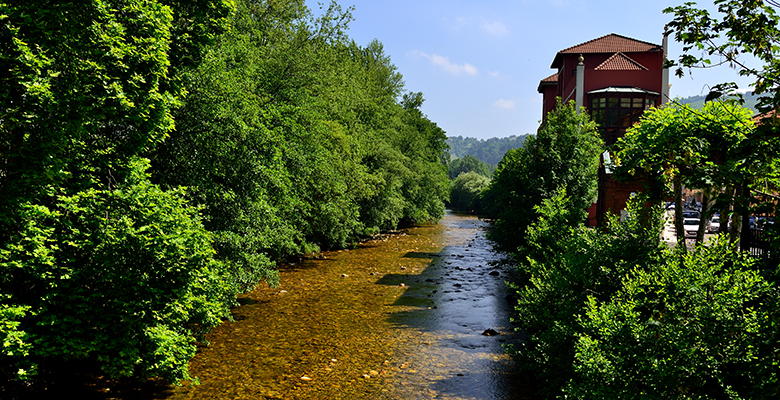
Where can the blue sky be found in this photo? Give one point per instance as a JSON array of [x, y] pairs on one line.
[[478, 62]]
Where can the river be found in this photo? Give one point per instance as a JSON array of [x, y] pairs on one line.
[[400, 317]]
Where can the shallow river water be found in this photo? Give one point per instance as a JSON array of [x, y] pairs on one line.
[[401, 317]]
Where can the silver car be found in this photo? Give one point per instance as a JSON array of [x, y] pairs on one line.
[[714, 225]]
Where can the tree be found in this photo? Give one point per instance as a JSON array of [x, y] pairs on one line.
[[712, 149], [564, 154], [302, 141], [748, 27], [467, 164], [467, 190], [489, 151], [97, 263]]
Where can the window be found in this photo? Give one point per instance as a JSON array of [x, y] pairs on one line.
[[618, 112]]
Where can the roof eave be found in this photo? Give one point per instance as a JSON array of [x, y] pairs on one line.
[[556, 61], [544, 84], [558, 56]]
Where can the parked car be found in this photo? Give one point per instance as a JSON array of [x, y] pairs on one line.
[[691, 227], [764, 223], [714, 225], [691, 214]]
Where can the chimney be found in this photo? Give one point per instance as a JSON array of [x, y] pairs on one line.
[[580, 88], [665, 74]]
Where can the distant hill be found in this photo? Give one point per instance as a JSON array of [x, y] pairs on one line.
[[698, 101], [489, 151]]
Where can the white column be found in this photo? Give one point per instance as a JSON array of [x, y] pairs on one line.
[[580, 89]]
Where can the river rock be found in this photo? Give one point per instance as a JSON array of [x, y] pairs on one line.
[[490, 332], [495, 273]]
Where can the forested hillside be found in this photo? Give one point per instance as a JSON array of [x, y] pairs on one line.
[[751, 100], [158, 157], [490, 151]]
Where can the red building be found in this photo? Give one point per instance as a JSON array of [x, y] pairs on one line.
[[615, 78]]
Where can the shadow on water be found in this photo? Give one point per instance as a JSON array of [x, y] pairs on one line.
[[79, 380], [421, 254]]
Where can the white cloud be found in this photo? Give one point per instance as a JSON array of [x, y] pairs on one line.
[[494, 28], [459, 23], [449, 66], [505, 104], [494, 74], [488, 27]]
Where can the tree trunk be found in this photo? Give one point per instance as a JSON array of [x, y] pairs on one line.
[[725, 212], [678, 210], [705, 216], [739, 216]]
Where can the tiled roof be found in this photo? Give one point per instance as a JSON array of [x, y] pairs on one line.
[[761, 117], [620, 62], [611, 43], [551, 79]]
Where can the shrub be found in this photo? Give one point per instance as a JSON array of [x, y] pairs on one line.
[[565, 264], [124, 277], [698, 326]]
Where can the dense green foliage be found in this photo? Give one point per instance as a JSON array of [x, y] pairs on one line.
[[564, 154], [750, 100], [613, 314], [701, 326], [564, 263], [489, 151], [301, 140], [468, 164], [154, 163], [97, 262], [467, 190]]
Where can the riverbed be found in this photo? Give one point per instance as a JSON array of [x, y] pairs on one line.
[[420, 314]]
